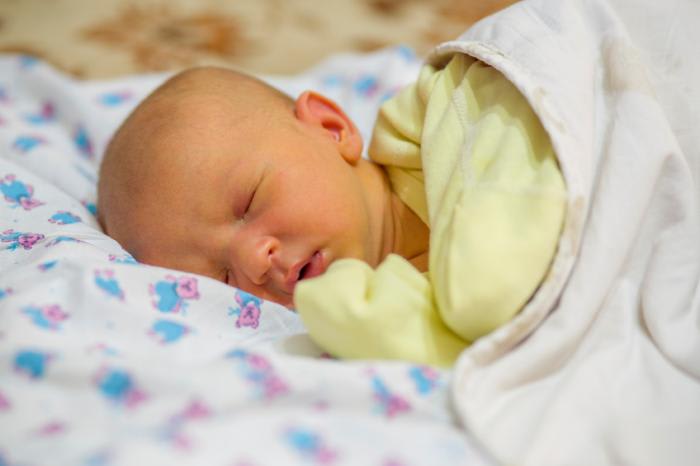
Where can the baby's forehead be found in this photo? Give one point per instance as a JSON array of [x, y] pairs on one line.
[[203, 135], [200, 121], [182, 123]]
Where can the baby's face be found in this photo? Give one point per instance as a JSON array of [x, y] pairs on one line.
[[255, 202]]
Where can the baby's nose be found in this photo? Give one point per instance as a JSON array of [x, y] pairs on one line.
[[262, 251]]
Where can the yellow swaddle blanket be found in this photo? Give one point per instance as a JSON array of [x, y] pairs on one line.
[[464, 150]]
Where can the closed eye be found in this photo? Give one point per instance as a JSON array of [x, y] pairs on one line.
[[244, 204], [250, 202]]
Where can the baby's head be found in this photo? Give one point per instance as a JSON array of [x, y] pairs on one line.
[[219, 174]]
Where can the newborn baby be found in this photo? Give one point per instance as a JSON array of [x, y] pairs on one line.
[[440, 238], [219, 174]]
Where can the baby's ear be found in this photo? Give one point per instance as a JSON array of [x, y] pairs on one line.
[[315, 109]]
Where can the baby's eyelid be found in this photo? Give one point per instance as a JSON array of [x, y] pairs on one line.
[[250, 201], [242, 207]]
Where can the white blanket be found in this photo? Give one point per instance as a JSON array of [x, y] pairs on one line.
[[107, 362], [603, 365]]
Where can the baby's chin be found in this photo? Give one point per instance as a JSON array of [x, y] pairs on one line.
[[286, 301], [283, 300]]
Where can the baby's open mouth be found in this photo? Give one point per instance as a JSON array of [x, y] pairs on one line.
[[303, 270], [313, 268]]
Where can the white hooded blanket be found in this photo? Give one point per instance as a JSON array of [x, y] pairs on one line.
[[603, 364]]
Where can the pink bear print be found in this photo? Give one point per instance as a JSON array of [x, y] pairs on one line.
[[173, 431], [119, 387], [106, 281], [48, 317], [425, 378], [310, 445], [18, 239], [169, 295], [17, 193], [259, 372], [388, 403], [4, 292], [45, 114], [186, 288], [248, 310], [63, 217]]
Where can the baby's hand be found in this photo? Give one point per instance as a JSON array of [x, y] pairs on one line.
[[353, 311]]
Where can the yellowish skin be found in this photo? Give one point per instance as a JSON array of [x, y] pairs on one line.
[[217, 173]]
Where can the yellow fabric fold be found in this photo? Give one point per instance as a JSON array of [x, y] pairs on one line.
[[464, 150]]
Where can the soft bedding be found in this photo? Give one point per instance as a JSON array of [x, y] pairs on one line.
[[104, 361]]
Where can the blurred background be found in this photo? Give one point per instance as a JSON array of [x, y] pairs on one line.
[[110, 38]]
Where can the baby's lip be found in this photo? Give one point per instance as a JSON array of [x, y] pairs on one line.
[[316, 265], [308, 268]]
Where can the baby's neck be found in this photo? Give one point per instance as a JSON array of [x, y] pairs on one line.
[[411, 235], [400, 231]]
